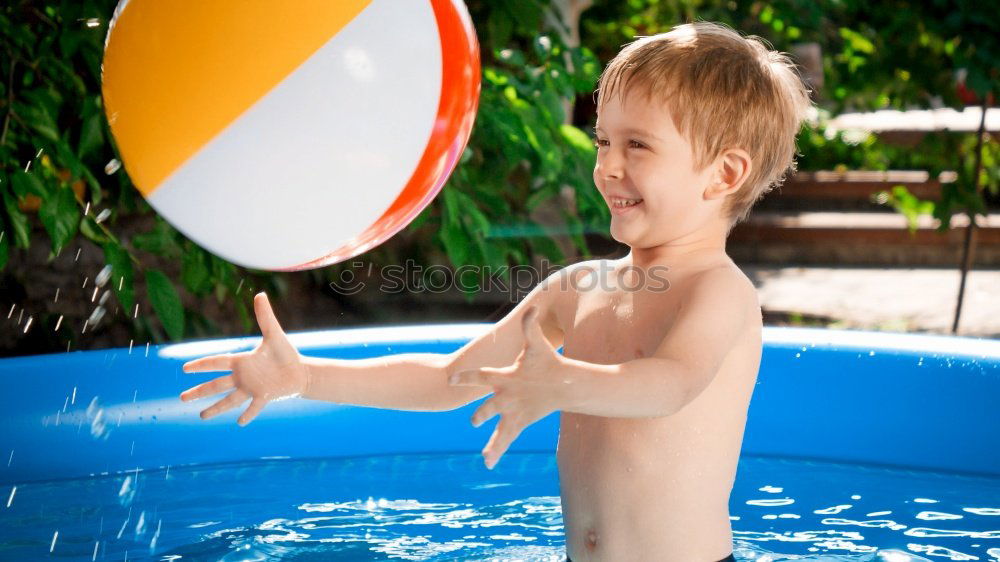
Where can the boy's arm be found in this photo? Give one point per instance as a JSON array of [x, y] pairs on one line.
[[707, 328], [713, 315], [419, 381]]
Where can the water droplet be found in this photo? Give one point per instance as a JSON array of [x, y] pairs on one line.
[[112, 166], [57, 295], [103, 276], [92, 22], [102, 216], [58, 323], [28, 324], [96, 315]]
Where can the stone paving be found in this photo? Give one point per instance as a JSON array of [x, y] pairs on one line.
[[897, 299]]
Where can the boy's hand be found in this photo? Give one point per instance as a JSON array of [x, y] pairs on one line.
[[273, 370], [523, 393]]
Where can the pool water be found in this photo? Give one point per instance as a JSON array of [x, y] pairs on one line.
[[449, 507]]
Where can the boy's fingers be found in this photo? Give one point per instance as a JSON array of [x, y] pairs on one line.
[[485, 376], [256, 405], [265, 316], [210, 363], [486, 411], [209, 388], [507, 431], [232, 400]]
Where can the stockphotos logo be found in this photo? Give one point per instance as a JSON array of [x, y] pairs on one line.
[[516, 281]]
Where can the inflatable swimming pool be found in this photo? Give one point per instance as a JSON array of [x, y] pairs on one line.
[[859, 446]]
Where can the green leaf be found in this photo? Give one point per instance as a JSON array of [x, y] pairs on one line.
[[60, 215], [89, 228], [499, 26], [91, 135], [857, 41], [526, 13], [195, 272], [19, 222], [95, 187], [4, 246], [451, 207], [577, 139], [121, 274], [455, 242], [166, 303], [40, 110], [421, 219], [25, 183], [159, 241]]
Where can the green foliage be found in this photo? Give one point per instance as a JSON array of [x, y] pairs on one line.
[[895, 54], [525, 151], [166, 302]]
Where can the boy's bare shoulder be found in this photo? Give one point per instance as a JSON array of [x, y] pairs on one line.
[[568, 279], [726, 285], [563, 287]]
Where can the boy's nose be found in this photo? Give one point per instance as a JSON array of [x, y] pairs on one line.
[[610, 167]]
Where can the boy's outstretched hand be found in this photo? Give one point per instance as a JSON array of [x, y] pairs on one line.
[[273, 370], [523, 393]]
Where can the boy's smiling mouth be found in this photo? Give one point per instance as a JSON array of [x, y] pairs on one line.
[[621, 205]]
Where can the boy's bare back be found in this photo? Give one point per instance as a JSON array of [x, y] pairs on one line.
[[653, 488]]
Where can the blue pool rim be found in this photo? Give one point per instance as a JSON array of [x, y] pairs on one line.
[[913, 401]]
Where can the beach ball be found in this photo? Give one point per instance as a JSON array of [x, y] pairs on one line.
[[290, 135]]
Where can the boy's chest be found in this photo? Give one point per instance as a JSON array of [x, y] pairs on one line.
[[614, 327]]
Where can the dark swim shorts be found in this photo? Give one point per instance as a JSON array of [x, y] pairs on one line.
[[726, 559]]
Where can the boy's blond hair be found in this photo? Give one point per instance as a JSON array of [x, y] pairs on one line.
[[722, 91]]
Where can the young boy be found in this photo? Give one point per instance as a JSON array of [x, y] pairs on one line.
[[660, 348]]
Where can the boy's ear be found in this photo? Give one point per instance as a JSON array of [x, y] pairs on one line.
[[732, 168]]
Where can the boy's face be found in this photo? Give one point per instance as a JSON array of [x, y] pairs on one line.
[[641, 155]]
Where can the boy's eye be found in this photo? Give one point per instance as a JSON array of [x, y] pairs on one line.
[[599, 142], [604, 142]]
